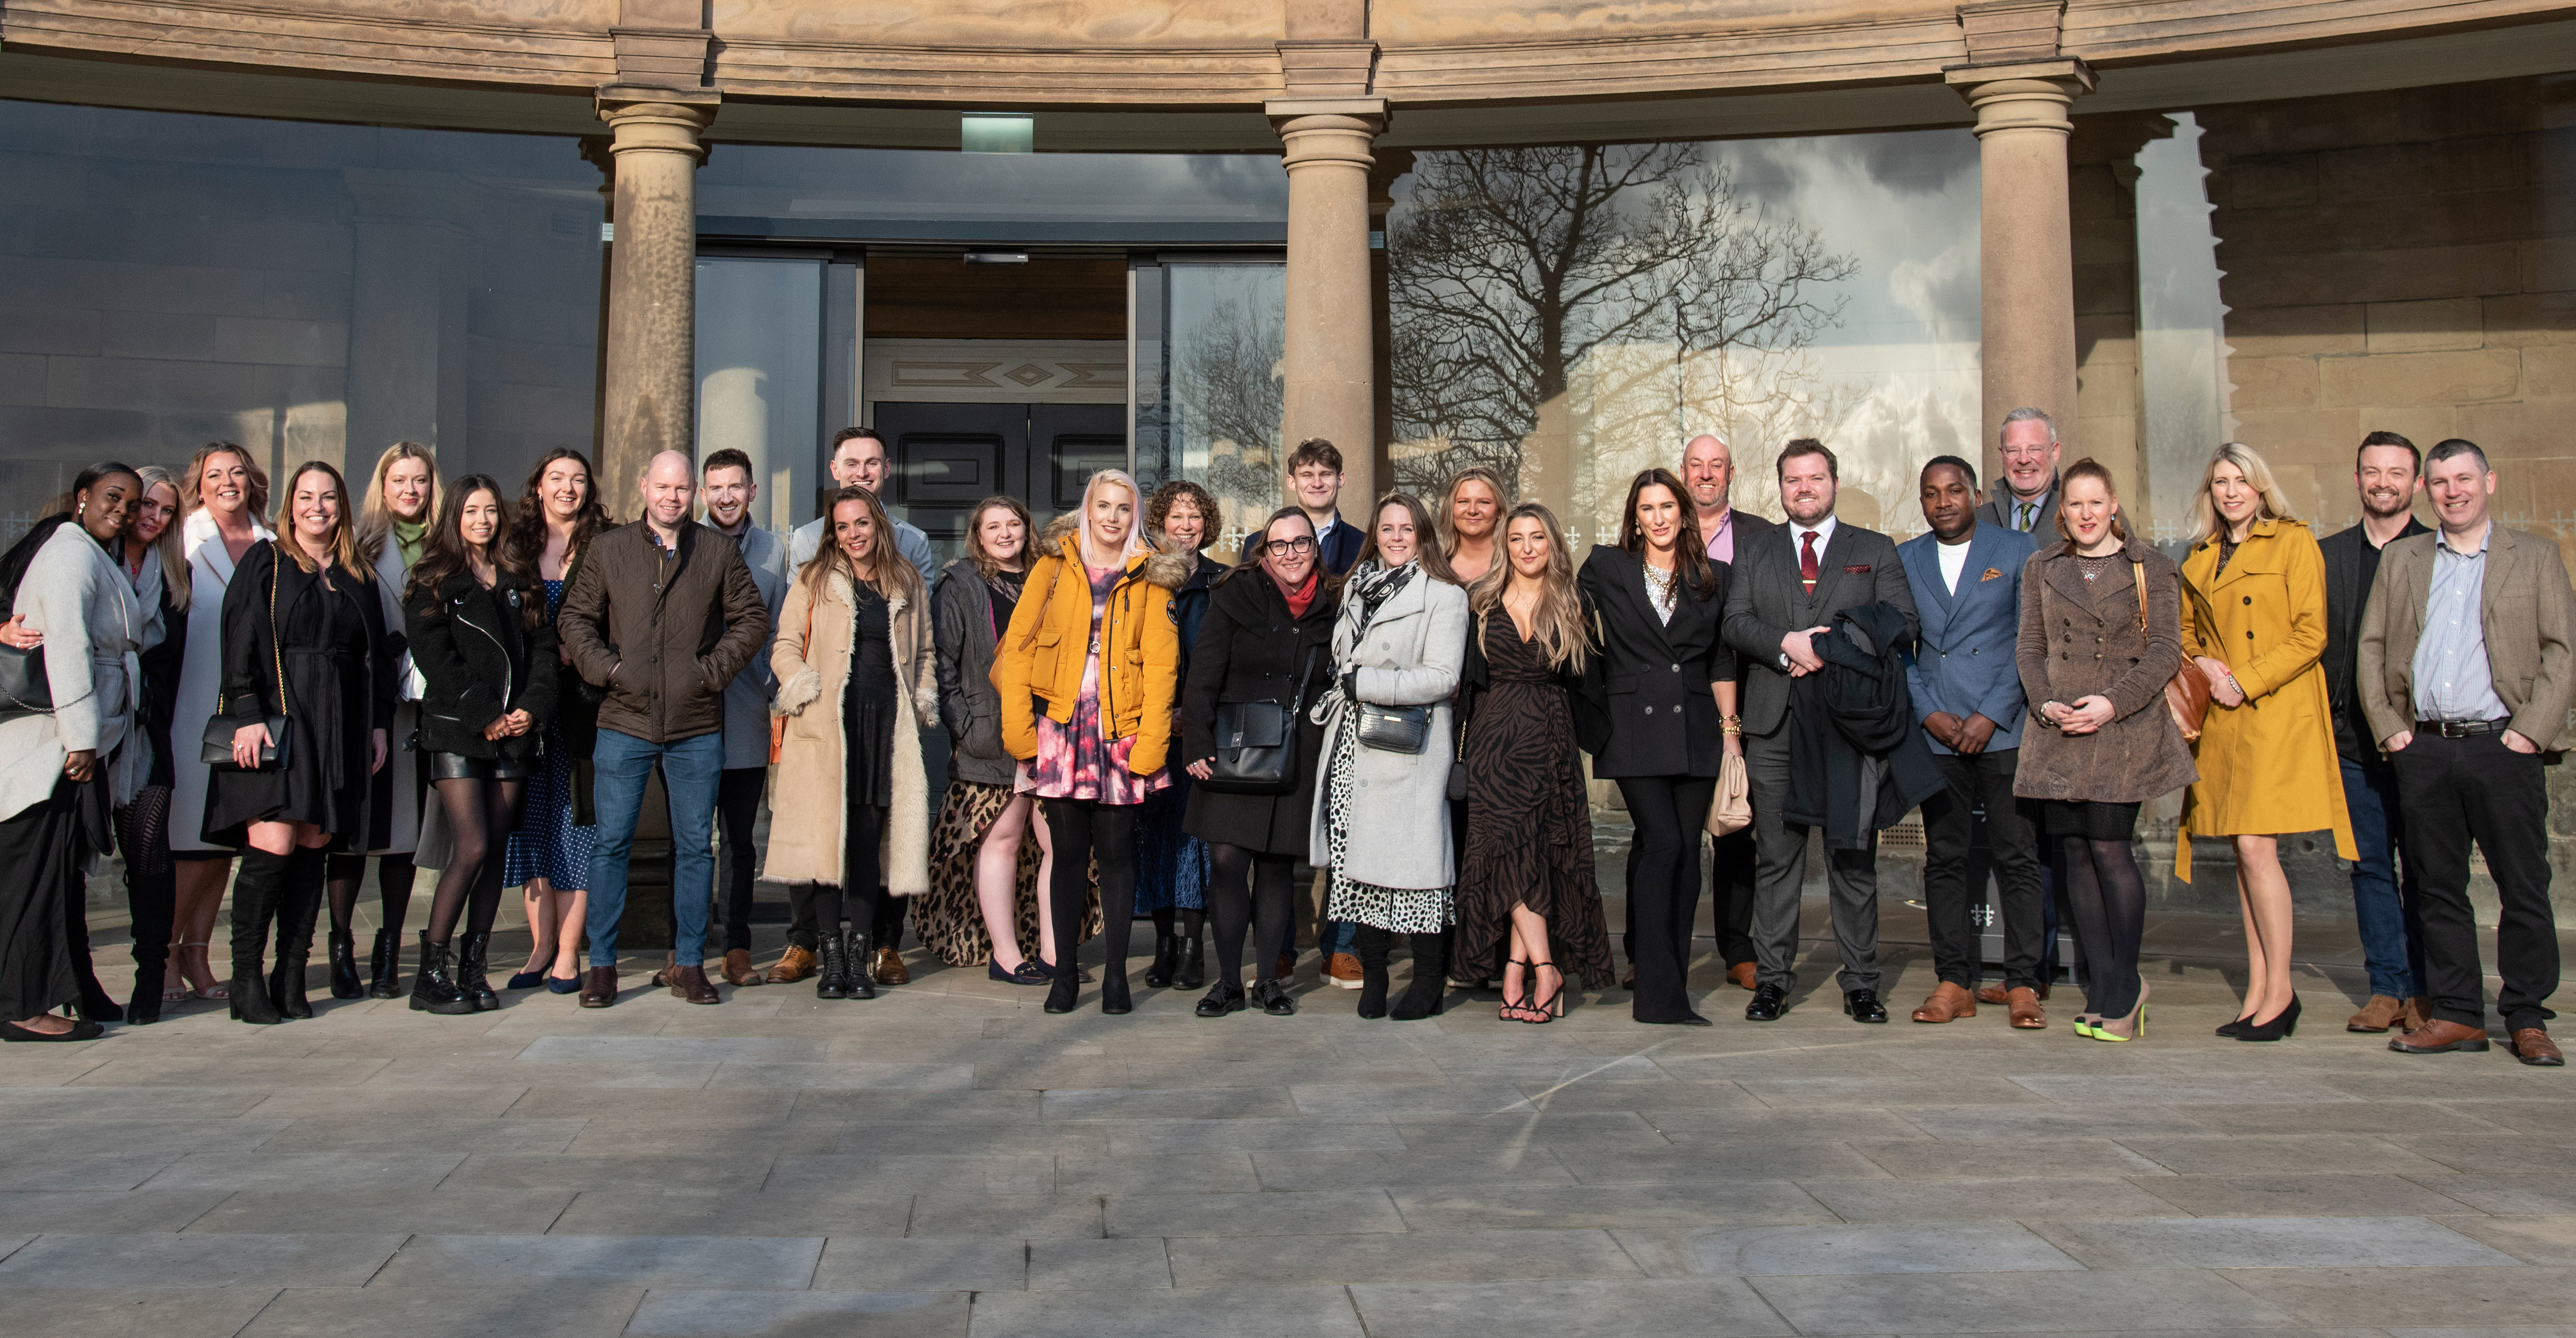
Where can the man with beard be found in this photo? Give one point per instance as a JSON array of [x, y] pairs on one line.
[[2389, 472]]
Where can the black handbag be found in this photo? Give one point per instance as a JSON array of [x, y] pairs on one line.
[[1256, 743], [216, 748], [23, 686], [1392, 729]]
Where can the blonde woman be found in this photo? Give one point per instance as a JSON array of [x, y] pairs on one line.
[[857, 683], [150, 554], [223, 502], [393, 525], [1470, 532], [303, 638], [2254, 622]]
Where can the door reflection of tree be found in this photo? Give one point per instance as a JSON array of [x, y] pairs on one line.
[[1231, 394]]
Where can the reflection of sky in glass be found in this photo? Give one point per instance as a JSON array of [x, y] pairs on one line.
[[797, 182]]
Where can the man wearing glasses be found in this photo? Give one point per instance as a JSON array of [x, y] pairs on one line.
[[2025, 498]]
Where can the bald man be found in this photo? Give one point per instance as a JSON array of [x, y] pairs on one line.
[[663, 614]]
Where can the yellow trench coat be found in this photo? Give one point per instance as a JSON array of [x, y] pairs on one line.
[[2268, 766]]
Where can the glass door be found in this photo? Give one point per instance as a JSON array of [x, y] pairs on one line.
[[1209, 337], [760, 342]]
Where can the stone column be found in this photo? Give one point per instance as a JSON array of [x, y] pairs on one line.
[[2025, 247], [650, 362], [1329, 354]]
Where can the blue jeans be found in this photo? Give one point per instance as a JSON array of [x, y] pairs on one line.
[[692, 770], [2383, 899]]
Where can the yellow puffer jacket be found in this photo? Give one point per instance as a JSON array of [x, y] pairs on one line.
[[1042, 653]]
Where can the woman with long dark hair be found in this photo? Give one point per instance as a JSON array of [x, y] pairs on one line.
[[393, 525], [303, 639], [1670, 698], [1268, 638], [1172, 865], [1093, 641], [850, 820], [559, 513], [486, 657]]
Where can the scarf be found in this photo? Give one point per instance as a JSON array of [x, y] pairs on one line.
[[1303, 597], [1374, 585], [408, 538]]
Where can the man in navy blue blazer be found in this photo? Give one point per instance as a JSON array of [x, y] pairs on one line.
[[1966, 579]]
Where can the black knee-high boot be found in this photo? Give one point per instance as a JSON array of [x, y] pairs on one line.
[[1370, 944], [307, 876], [257, 890], [1430, 963]]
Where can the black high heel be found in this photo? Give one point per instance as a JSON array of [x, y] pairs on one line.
[[1510, 1008], [2287, 1023], [1553, 1007]]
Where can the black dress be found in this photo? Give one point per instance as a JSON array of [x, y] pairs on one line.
[[868, 704], [339, 689], [1529, 823]]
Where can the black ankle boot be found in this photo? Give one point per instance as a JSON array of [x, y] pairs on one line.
[[307, 876], [144, 1008], [1114, 996], [859, 951], [1430, 980], [1192, 970], [344, 967], [257, 890], [470, 967], [1370, 944], [433, 989], [1167, 951], [384, 966], [832, 976], [1065, 988]]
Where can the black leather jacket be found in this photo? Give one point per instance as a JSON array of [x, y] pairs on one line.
[[480, 658]]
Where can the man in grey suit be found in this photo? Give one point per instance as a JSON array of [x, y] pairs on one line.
[[727, 485], [2025, 498], [1787, 586]]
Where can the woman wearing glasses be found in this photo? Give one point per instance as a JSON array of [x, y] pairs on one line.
[[1267, 638]]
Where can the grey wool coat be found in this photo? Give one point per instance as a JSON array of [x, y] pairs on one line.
[[1411, 655], [969, 705], [95, 631], [2077, 642]]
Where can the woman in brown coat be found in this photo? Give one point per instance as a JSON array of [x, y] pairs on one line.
[[2094, 656]]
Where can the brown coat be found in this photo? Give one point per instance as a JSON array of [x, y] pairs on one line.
[[2525, 609], [663, 633], [2077, 642], [810, 802]]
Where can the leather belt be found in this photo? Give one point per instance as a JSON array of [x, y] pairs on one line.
[[2462, 729]]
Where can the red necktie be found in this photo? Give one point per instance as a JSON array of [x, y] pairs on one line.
[[1807, 562]]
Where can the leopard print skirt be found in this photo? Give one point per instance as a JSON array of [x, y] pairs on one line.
[[948, 919]]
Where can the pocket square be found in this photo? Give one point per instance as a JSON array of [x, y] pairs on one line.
[[1991, 573], [1861, 570]]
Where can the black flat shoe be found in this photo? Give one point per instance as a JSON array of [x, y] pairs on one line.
[[1863, 1006], [1226, 998], [1273, 998], [1685, 1020], [81, 1031], [1769, 1002]]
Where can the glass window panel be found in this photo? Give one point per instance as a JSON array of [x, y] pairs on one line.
[[761, 181], [760, 358], [1222, 395]]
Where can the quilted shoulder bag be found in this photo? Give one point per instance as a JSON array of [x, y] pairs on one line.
[[216, 748]]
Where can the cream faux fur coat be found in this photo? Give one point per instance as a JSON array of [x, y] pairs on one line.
[[810, 801]]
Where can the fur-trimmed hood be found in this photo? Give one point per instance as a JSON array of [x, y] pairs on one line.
[[1169, 570]]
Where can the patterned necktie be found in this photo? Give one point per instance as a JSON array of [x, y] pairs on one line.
[[1807, 562], [2023, 515]]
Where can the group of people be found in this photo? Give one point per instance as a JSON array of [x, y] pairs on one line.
[[439, 677]]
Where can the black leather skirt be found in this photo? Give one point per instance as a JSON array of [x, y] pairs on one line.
[[450, 766]]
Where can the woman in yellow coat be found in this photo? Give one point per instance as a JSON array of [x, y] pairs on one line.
[[2254, 622]]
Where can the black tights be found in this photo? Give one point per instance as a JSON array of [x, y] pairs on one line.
[[480, 816], [394, 876], [2109, 902], [1256, 887], [1085, 830], [863, 827], [1185, 921], [151, 882]]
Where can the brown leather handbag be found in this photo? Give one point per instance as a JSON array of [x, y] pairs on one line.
[[2187, 692]]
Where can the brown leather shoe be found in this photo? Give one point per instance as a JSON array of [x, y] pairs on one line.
[[1286, 967], [2381, 1013], [690, 983], [1342, 971], [2532, 1046], [795, 966], [2419, 1010], [2026, 1012], [2439, 1035], [599, 988], [1947, 1001], [1629, 981], [670, 962], [1742, 974], [1996, 993], [737, 968], [890, 969]]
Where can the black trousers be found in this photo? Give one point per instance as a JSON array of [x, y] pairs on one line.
[[737, 810], [1949, 830], [1670, 813], [2455, 791], [1730, 895]]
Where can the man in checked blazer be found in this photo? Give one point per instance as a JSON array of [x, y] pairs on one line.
[[1787, 586]]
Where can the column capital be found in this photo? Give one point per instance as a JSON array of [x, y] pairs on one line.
[[668, 120], [1327, 130], [2022, 95]]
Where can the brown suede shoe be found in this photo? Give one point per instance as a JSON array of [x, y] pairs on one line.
[[737, 968], [1994, 993], [2381, 1013], [1343, 971], [690, 983], [1741, 973], [1947, 1001], [599, 988], [2026, 1012], [795, 966], [890, 969], [2439, 1035], [2419, 1010], [2532, 1046]]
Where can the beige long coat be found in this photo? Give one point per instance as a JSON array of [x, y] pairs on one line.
[[811, 798]]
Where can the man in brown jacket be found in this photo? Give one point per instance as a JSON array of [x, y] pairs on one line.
[[2465, 674], [663, 615]]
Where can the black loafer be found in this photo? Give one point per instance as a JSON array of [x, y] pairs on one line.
[[1769, 1002], [1226, 998], [1863, 1006], [1273, 998]]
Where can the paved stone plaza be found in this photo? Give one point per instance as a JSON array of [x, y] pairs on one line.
[[949, 1160]]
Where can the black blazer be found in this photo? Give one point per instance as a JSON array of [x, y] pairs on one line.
[[1250, 649], [2347, 594], [479, 660], [1342, 547], [1663, 719], [1764, 603]]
